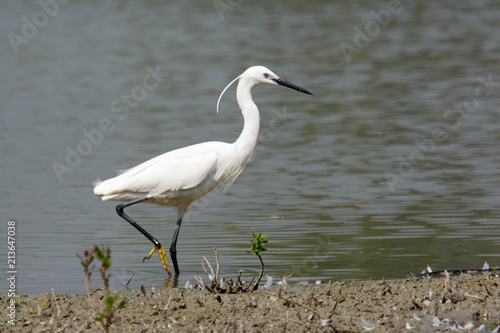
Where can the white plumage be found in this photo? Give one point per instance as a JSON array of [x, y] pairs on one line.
[[176, 178], [179, 177]]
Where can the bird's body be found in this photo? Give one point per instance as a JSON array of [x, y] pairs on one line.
[[179, 177], [176, 178]]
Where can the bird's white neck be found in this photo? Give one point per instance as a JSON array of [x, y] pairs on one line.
[[247, 140]]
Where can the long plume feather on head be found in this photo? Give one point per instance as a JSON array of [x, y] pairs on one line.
[[223, 91]]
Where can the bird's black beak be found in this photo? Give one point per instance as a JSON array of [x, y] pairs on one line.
[[284, 83]]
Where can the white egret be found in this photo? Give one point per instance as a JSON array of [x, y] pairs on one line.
[[179, 177]]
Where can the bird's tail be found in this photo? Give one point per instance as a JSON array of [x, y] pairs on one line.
[[98, 191], [97, 182]]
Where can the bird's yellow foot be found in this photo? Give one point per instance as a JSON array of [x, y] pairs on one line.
[[163, 257]]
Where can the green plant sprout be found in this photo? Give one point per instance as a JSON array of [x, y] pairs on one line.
[[230, 287], [258, 245], [109, 310], [104, 256], [86, 261]]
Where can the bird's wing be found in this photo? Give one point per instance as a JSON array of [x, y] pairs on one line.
[[164, 173]]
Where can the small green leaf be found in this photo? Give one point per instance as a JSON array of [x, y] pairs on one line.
[[258, 243], [106, 262], [109, 301], [121, 305], [98, 253]]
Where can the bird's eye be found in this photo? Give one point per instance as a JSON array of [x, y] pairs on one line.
[[266, 75]]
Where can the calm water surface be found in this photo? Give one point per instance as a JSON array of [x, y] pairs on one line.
[[393, 164]]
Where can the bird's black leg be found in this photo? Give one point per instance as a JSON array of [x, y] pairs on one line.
[[173, 246], [119, 210]]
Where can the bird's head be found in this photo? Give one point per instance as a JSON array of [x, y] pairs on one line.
[[260, 74]]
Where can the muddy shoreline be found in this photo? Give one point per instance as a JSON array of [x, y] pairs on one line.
[[467, 302]]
